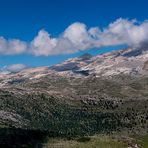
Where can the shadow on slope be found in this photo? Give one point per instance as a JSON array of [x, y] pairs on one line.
[[17, 138]]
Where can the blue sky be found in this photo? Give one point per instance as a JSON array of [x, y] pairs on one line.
[[23, 19]]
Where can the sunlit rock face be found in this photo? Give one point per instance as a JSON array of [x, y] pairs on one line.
[[130, 61]]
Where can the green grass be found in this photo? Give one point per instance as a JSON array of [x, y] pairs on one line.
[[143, 141], [94, 142], [99, 141]]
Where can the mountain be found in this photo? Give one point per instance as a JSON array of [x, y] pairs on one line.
[[127, 61], [82, 96]]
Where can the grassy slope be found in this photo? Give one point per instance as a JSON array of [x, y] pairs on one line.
[[78, 107], [99, 141]]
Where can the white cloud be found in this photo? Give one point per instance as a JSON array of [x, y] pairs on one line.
[[10, 47], [123, 31], [14, 67], [43, 44], [74, 38], [78, 37]]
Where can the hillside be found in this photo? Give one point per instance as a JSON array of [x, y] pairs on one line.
[[82, 96]]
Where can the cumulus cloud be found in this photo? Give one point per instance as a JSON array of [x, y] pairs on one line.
[[10, 47], [78, 36], [43, 44], [123, 31], [74, 38], [14, 67]]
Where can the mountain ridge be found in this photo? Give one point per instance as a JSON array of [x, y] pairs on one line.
[[123, 61]]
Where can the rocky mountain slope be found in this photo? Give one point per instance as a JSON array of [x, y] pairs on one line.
[[81, 96], [126, 61]]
